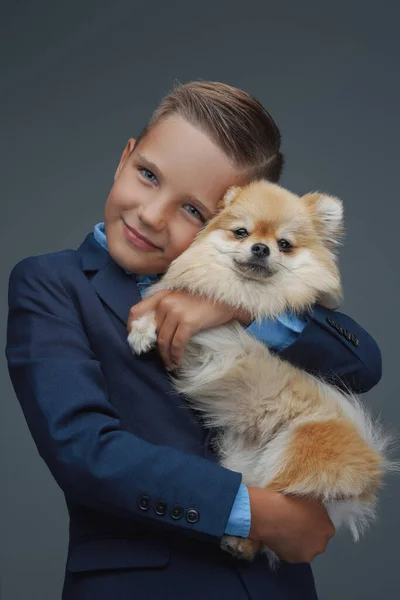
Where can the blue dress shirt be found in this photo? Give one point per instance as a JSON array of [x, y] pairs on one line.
[[277, 334]]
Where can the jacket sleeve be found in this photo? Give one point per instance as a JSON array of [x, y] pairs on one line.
[[63, 394], [336, 348]]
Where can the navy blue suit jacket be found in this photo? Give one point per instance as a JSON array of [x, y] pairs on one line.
[[148, 502]]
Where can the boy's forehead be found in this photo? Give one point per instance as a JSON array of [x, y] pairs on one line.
[[176, 140], [186, 157]]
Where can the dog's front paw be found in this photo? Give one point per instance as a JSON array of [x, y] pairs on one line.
[[239, 547], [143, 334]]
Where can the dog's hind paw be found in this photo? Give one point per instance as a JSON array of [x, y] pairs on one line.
[[239, 547]]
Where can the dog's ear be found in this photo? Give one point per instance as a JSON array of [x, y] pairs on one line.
[[327, 215], [229, 196]]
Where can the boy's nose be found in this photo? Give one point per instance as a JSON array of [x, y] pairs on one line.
[[152, 215]]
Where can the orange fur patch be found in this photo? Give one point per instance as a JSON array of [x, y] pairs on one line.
[[328, 456]]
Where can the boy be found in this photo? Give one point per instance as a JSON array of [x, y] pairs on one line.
[[148, 502]]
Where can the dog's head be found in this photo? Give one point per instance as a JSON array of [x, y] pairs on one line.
[[266, 239]]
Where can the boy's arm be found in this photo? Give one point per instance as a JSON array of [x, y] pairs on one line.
[[326, 343], [63, 394]]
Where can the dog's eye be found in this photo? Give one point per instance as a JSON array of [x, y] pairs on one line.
[[284, 245], [241, 233]]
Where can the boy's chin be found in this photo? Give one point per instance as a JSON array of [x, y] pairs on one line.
[[135, 261]]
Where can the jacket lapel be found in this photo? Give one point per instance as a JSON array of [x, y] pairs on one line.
[[115, 287], [119, 291]]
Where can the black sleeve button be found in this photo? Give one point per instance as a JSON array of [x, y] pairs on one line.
[[344, 332], [177, 512], [160, 508], [144, 502], [192, 515], [333, 324]]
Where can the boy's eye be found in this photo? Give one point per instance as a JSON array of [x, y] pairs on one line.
[[196, 213], [241, 233], [148, 175], [284, 245]]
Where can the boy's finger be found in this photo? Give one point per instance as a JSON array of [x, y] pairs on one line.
[[182, 335], [166, 330]]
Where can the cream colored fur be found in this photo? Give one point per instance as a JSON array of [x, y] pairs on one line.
[[258, 401]]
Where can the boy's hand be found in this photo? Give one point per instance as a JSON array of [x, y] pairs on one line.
[[296, 529], [178, 317]]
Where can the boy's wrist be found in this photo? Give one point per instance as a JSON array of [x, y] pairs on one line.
[[257, 510], [265, 513]]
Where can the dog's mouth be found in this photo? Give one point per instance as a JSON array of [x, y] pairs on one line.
[[253, 269]]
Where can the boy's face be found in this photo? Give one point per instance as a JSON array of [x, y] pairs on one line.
[[164, 191]]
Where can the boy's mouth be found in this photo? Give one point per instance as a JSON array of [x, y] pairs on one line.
[[139, 239]]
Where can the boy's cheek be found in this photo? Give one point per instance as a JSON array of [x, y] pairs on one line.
[[122, 196]]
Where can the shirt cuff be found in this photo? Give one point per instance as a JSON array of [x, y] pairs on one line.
[[240, 518]]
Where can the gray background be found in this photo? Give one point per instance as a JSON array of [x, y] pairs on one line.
[[77, 79]]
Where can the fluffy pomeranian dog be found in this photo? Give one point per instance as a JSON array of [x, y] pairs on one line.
[[268, 251]]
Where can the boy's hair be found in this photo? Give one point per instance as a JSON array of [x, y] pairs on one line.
[[234, 120]]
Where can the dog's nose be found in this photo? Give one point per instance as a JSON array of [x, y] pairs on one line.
[[260, 250]]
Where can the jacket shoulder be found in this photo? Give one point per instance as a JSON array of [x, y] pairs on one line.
[[59, 258], [61, 261]]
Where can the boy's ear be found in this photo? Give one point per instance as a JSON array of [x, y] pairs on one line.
[[327, 214], [127, 151], [229, 196]]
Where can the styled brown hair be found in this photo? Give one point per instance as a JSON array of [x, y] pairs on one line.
[[234, 120]]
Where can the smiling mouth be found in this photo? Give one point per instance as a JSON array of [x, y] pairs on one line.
[[139, 239]]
